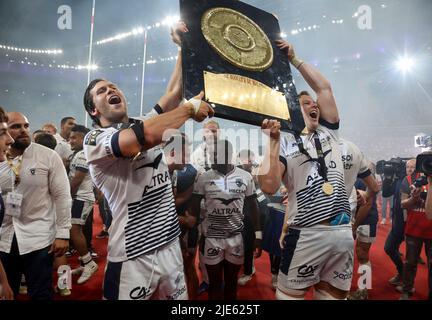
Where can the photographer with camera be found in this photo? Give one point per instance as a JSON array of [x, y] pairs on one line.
[[418, 229], [397, 233], [429, 216], [429, 199], [425, 165]]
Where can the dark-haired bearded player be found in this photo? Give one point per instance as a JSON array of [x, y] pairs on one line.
[[128, 166], [318, 250]]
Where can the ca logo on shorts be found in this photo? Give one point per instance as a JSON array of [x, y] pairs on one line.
[[212, 252], [139, 293], [306, 271]]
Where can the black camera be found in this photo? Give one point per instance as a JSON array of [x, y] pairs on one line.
[[420, 182], [395, 167], [424, 163]]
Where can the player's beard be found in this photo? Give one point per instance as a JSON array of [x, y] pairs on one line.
[[19, 145], [222, 168]]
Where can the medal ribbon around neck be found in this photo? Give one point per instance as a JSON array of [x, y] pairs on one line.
[[322, 168]]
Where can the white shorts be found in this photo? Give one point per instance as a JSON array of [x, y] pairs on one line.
[[158, 275], [366, 233], [314, 254], [216, 250], [80, 211]]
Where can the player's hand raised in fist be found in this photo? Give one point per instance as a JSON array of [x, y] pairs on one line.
[[200, 109], [271, 128], [287, 47], [176, 31]]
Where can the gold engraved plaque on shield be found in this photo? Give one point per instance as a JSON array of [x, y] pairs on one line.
[[246, 94], [237, 39]]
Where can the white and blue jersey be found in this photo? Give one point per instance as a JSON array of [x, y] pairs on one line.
[[138, 192], [224, 198], [308, 205]]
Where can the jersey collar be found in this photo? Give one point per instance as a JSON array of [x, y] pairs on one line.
[[228, 173], [122, 125]]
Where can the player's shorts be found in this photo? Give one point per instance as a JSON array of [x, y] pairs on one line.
[[157, 275], [80, 211], [216, 250], [367, 233], [315, 254]]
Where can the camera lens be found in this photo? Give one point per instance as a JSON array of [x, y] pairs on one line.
[[427, 166]]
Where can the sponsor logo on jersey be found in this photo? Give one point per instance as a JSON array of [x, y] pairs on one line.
[[348, 161], [157, 180], [311, 178], [91, 137], [306, 271], [332, 165], [235, 191], [240, 183], [226, 211], [107, 144], [139, 293]]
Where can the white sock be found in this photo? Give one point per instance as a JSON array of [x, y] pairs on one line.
[[86, 258]]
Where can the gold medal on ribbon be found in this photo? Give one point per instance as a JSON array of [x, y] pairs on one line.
[[16, 170], [237, 39], [327, 188]]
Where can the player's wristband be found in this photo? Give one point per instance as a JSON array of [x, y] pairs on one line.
[[196, 104], [258, 235], [296, 62]]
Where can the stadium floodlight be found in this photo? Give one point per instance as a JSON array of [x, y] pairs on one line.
[[405, 64], [27, 50], [170, 20]]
